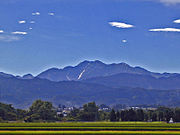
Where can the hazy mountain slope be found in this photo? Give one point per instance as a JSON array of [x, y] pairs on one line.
[[90, 69], [5, 75], [22, 92], [138, 80]]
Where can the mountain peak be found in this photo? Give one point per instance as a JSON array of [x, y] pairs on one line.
[[87, 62], [124, 64], [28, 76], [90, 69], [98, 61]]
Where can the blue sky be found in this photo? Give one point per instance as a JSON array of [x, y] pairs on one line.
[[39, 34]]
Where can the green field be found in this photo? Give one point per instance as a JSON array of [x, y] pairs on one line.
[[91, 128]]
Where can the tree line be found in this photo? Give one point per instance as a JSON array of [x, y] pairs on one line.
[[160, 114], [43, 111]]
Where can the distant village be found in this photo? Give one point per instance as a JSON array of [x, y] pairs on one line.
[[65, 110]]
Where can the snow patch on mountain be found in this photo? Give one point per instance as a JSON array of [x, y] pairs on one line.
[[68, 78], [80, 75]]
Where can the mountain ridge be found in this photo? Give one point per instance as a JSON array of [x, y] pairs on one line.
[[137, 80], [113, 75], [22, 92], [91, 69], [92, 81], [75, 71]]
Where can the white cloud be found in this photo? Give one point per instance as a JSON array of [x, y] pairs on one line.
[[30, 28], [121, 25], [32, 21], [23, 21], [51, 14], [19, 33], [124, 41], [9, 38], [177, 21], [36, 13], [165, 30], [170, 1], [166, 2], [1, 31]]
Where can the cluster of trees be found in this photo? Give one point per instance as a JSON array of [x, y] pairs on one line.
[[39, 111], [91, 113], [9, 113], [160, 114], [44, 111]]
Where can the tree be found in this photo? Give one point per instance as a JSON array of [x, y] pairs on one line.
[[117, 116], [74, 114], [160, 116], [154, 116], [112, 115], [177, 115], [7, 112], [103, 116], [90, 112], [21, 114], [123, 115], [42, 110], [150, 115], [146, 116], [168, 115], [10, 116], [131, 115], [140, 115]]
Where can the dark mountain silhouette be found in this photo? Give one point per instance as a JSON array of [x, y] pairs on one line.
[[28, 76], [91, 69], [113, 75], [92, 81], [138, 80], [22, 92], [5, 75]]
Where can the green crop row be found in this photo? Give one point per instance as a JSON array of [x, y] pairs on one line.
[[88, 133], [94, 128], [91, 124]]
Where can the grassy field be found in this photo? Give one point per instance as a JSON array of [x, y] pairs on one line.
[[91, 128]]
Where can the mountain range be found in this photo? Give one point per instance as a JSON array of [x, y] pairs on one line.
[[91, 69], [92, 81]]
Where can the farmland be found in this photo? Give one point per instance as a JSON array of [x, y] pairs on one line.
[[91, 128]]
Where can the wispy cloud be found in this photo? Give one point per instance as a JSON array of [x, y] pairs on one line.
[[32, 21], [21, 22], [121, 25], [170, 1], [177, 21], [36, 13], [165, 30], [51, 14], [124, 41], [19, 33], [30, 28], [9, 38], [1, 31], [166, 2]]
